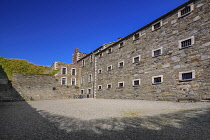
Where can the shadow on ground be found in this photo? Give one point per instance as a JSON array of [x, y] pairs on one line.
[[19, 121]]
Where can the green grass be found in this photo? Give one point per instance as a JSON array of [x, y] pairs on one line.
[[10, 66]]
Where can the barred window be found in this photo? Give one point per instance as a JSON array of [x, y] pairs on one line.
[[136, 59], [121, 84], [157, 79], [73, 71], [73, 81], [187, 75], [186, 10], [186, 43]]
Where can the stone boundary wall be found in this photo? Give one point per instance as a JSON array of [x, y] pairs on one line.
[[41, 87]]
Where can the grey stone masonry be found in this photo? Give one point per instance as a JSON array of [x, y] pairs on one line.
[[167, 59]]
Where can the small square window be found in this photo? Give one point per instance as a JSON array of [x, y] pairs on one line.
[[156, 26], [121, 64], [136, 59], [109, 68], [136, 82], [157, 79], [121, 84], [100, 87], [109, 86], [136, 36], [156, 52], [186, 42], [188, 75]]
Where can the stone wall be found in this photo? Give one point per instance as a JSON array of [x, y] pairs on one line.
[[41, 87], [167, 65]]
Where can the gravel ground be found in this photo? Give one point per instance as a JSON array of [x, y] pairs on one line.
[[104, 119]]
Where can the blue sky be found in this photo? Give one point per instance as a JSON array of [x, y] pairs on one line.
[[44, 31]]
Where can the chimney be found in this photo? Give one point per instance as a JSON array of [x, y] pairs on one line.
[[120, 38]]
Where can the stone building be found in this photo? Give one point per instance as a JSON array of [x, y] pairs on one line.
[[166, 59], [67, 75]]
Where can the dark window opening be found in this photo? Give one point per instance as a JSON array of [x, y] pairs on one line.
[[63, 70], [99, 87], [109, 50], [136, 59], [109, 68], [99, 71], [157, 52], [136, 36], [121, 64], [63, 82], [82, 91], [136, 82], [157, 26], [186, 43], [121, 84], [89, 91], [186, 10], [157, 80], [73, 82], [121, 44], [109, 86], [73, 72], [187, 76]]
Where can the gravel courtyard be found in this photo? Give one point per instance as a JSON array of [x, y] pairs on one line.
[[103, 119]]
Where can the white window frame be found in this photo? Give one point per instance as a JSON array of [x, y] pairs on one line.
[[123, 44], [136, 80], [161, 76], [135, 57], [100, 55], [83, 91], [75, 82], [62, 80], [161, 49], [62, 70], [109, 84], [99, 86], [90, 78], [75, 71], [180, 75], [192, 42], [191, 9], [108, 50], [119, 84], [99, 71], [134, 38], [108, 68], [161, 24], [119, 64], [88, 91]]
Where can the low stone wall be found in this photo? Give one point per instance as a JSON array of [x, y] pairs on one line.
[[41, 87]]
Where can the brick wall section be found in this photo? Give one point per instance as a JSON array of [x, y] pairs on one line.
[[172, 61]]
